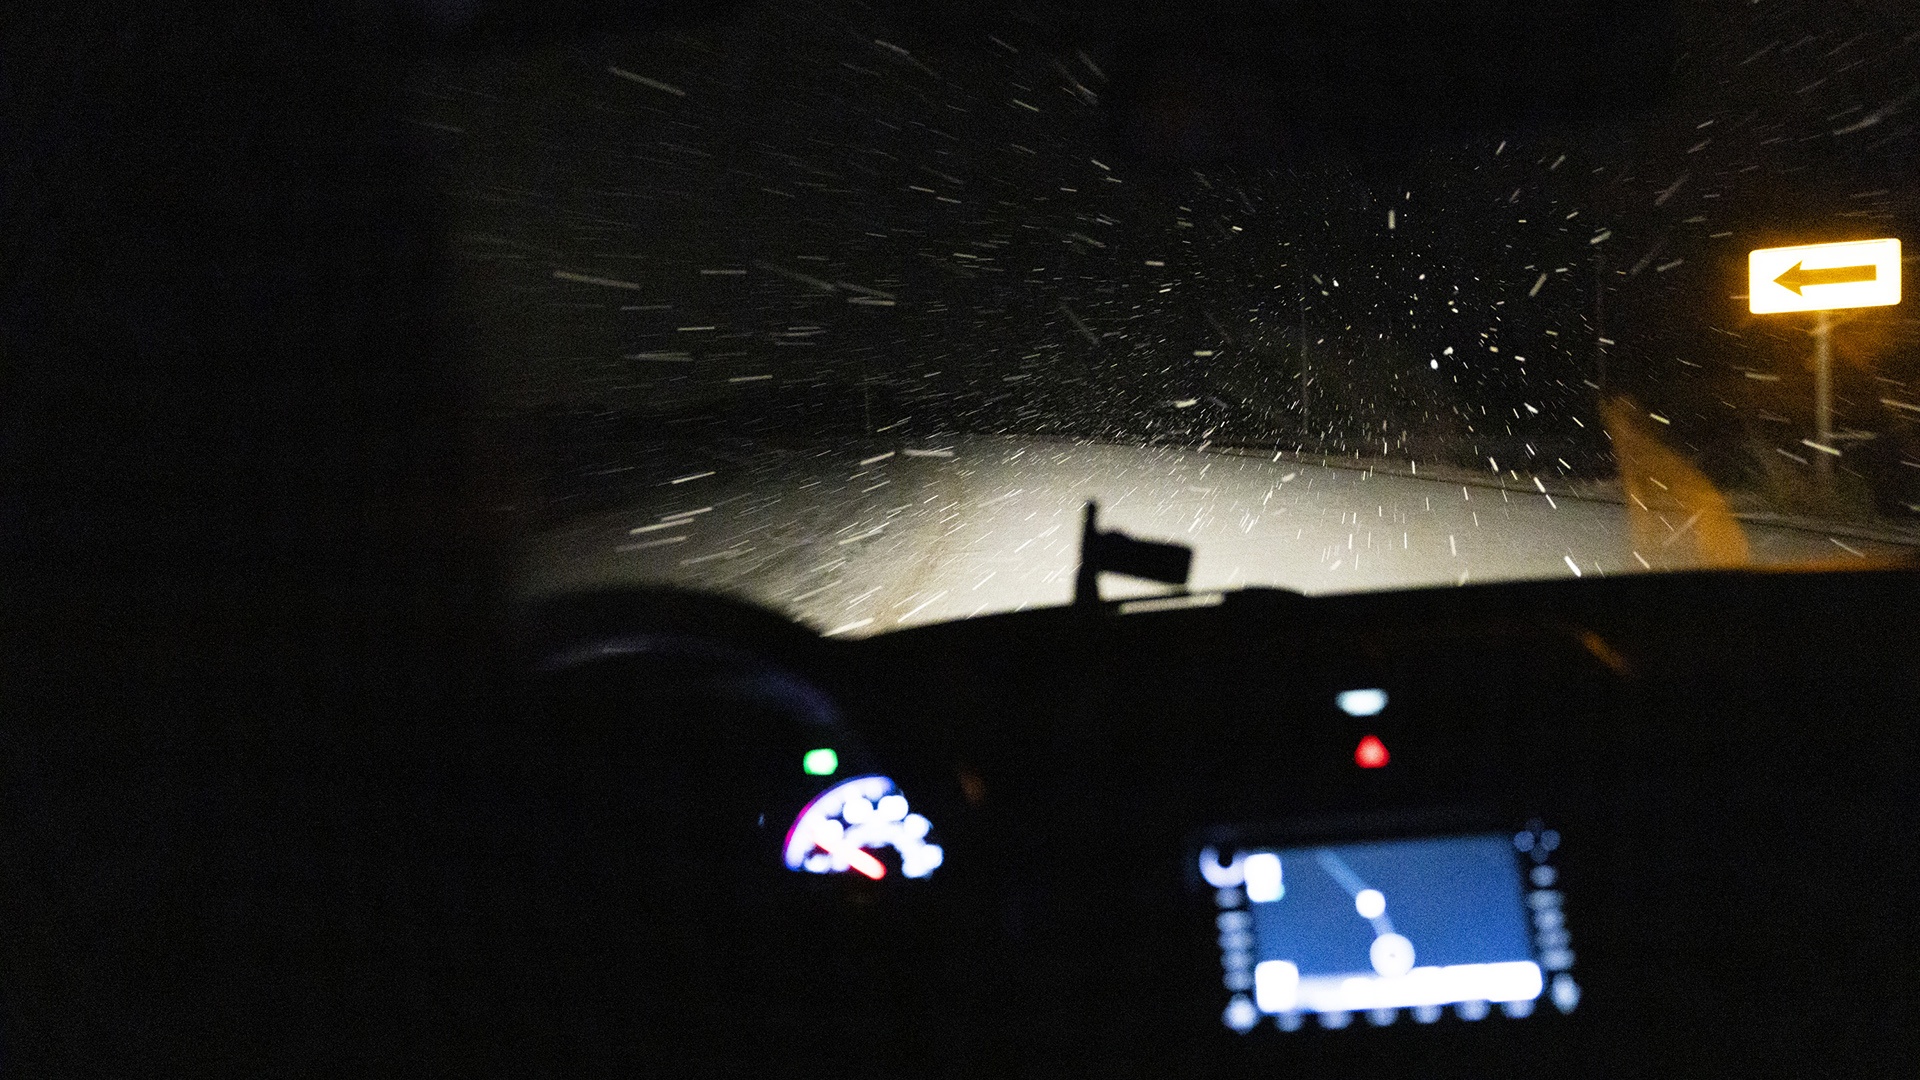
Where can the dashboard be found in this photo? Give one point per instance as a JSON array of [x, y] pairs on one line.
[[1638, 827], [1624, 827], [269, 806], [1628, 827]]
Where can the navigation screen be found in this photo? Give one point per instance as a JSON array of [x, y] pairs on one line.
[[1375, 928]]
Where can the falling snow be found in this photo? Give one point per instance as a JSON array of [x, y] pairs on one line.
[[814, 311]]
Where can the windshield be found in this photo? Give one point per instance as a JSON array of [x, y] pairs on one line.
[[847, 311]]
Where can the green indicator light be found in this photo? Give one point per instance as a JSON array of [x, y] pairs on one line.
[[821, 762]]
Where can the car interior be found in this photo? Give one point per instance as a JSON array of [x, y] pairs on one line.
[[294, 782]]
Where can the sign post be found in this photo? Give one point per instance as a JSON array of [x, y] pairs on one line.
[[1823, 394], [1820, 278]]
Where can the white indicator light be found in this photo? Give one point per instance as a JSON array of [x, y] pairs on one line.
[[1392, 955], [891, 808], [1263, 877], [1566, 992], [1361, 702], [1219, 875], [1276, 985], [1454, 984], [921, 860], [1240, 1014]]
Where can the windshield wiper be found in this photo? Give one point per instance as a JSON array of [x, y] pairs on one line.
[[1118, 553]]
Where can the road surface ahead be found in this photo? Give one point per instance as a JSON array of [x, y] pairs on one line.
[[857, 545]]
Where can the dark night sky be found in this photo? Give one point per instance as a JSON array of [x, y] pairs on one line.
[[819, 218]]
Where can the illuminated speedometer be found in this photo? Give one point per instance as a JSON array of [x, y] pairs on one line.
[[843, 825]]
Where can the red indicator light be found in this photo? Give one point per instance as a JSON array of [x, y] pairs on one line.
[[856, 858], [867, 864], [1371, 753]]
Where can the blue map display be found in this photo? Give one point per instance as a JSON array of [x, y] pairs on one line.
[[1457, 900]]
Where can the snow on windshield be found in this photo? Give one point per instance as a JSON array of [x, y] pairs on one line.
[[802, 284]]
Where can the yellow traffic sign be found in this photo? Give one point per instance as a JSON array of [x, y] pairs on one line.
[[1820, 277]]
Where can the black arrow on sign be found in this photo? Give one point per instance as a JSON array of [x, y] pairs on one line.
[[1833, 275]]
